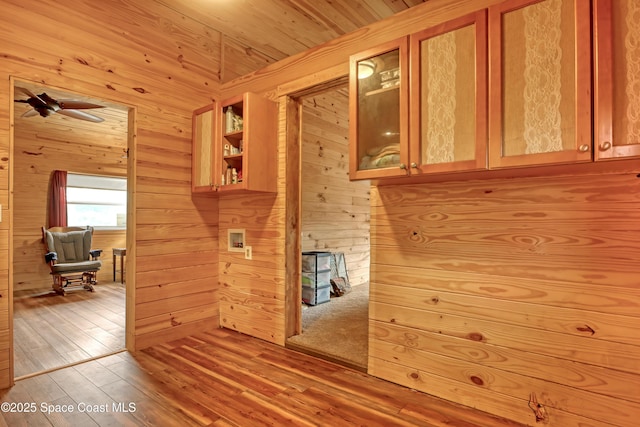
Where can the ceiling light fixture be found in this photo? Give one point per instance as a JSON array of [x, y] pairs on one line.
[[366, 68]]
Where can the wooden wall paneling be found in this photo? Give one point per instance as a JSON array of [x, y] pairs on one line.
[[134, 58], [567, 373], [527, 228], [580, 296], [511, 287], [604, 353], [609, 327], [177, 263], [258, 281], [492, 384], [107, 241], [470, 395], [243, 306]]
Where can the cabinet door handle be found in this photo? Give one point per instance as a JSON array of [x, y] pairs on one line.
[[414, 165], [584, 148], [605, 146], [403, 166]]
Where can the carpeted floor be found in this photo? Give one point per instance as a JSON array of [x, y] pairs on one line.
[[337, 329]]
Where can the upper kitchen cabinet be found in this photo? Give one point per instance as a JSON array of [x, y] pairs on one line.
[[617, 79], [378, 106], [202, 154], [235, 146], [448, 101], [539, 81], [247, 153]]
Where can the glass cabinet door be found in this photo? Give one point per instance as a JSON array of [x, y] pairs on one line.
[[378, 112], [540, 104], [617, 79], [448, 96]]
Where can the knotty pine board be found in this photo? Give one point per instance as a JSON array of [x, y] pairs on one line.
[[173, 290], [511, 287], [505, 382], [606, 354], [427, 296], [151, 314], [412, 344], [479, 398], [588, 297], [174, 276]]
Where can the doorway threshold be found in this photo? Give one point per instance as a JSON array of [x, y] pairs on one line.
[[325, 356], [68, 365]]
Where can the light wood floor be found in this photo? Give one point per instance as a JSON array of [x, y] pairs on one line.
[[51, 330], [224, 378]]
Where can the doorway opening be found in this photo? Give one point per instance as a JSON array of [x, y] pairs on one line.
[[333, 215], [50, 330]]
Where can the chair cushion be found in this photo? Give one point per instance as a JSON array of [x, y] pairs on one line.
[[72, 246], [77, 267]]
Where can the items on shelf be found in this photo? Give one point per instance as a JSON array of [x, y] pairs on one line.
[[390, 78], [228, 175], [232, 121], [232, 150], [381, 156]]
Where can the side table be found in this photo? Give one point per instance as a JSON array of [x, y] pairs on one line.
[[121, 252]]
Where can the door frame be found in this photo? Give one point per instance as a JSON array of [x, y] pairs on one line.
[[129, 342], [293, 199]]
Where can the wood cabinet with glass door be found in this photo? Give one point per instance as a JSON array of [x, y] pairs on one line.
[[539, 83], [378, 112], [448, 107], [247, 151], [203, 149], [617, 79]]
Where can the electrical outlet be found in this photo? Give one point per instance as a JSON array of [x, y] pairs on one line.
[[248, 253]]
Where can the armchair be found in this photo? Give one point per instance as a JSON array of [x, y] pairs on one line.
[[73, 264]]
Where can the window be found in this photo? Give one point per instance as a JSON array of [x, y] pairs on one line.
[[97, 201]]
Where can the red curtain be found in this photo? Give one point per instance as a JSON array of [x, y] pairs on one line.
[[58, 200]]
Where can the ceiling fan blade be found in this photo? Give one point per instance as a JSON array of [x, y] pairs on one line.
[[69, 104], [81, 115], [26, 91], [36, 101], [30, 113]]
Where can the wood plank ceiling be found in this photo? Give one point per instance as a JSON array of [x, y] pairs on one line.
[[251, 34], [255, 33]]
